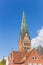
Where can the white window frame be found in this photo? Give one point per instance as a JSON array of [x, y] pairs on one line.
[[30, 63], [34, 63], [39, 63]]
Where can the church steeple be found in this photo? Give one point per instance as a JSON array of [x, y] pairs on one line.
[[24, 41], [24, 28]]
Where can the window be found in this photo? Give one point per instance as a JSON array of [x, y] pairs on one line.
[[39, 64], [34, 63], [34, 58], [29, 63]]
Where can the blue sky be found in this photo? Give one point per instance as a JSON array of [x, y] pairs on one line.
[[10, 22]]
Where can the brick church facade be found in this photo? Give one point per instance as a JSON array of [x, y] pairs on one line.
[[25, 54]]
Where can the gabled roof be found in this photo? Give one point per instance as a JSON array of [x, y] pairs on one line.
[[19, 57]]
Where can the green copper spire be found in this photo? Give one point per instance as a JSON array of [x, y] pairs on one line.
[[24, 27]]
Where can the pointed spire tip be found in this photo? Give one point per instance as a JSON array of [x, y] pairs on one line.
[[23, 13]]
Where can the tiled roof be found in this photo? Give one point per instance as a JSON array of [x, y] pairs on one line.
[[19, 57]]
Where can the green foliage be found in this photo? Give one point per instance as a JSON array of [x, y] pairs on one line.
[[3, 62]]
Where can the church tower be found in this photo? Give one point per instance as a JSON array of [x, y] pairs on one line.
[[24, 40]]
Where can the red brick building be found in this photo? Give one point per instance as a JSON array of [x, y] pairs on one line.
[[25, 55], [25, 58]]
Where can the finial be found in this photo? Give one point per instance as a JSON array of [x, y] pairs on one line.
[[23, 13]]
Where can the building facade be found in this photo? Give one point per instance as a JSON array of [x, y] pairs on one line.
[[25, 54]]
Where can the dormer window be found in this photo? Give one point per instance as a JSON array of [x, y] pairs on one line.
[[26, 34]]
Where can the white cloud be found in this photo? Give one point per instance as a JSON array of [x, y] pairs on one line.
[[38, 40]]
